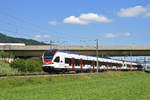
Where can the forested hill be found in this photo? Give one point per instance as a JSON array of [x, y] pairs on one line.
[[9, 39]]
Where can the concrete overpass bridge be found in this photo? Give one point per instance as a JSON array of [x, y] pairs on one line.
[[104, 51]]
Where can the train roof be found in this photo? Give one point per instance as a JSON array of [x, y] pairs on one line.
[[68, 52]]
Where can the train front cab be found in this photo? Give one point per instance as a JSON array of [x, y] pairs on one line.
[[48, 57]]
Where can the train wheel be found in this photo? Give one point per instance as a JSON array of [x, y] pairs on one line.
[[87, 71], [77, 71], [93, 71], [64, 70], [44, 69], [56, 72]]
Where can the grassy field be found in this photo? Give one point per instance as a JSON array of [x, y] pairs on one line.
[[102, 86]]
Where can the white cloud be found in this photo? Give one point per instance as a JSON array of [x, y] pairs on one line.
[[74, 20], [147, 14], [41, 37], [37, 37], [110, 35], [92, 17], [126, 34], [115, 35], [135, 11], [132, 11], [53, 22], [46, 36], [86, 19]]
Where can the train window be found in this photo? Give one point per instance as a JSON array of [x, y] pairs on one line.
[[95, 63], [109, 64], [90, 62], [57, 59], [128, 65], [113, 64], [77, 62], [48, 55], [119, 65], [85, 62], [48, 58], [68, 61], [103, 63], [99, 63]]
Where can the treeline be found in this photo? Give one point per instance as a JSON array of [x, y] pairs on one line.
[[29, 65], [8, 39], [20, 65]]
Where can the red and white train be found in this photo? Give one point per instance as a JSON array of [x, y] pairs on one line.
[[63, 61]]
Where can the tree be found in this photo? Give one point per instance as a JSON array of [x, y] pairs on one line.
[[4, 54]]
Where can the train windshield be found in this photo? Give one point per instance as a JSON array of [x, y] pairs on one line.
[[48, 55]]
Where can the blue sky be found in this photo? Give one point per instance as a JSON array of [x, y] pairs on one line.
[[113, 22]]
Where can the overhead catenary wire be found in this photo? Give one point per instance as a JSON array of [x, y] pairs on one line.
[[35, 29]]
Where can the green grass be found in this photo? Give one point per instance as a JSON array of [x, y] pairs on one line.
[[103, 86], [6, 69]]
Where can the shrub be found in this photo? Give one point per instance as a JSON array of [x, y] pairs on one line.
[[29, 65], [33, 65], [19, 64], [4, 54]]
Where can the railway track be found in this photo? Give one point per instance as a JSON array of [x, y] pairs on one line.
[[37, 75]]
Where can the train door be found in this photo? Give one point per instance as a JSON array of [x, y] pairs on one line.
[[62, 62], [124, 66], [93, 65], [58, 62], [73, 63], [110, 65], [81, 62], [99, 66]]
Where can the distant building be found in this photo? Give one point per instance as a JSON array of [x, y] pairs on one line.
[[12, 44], [9, 60]]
